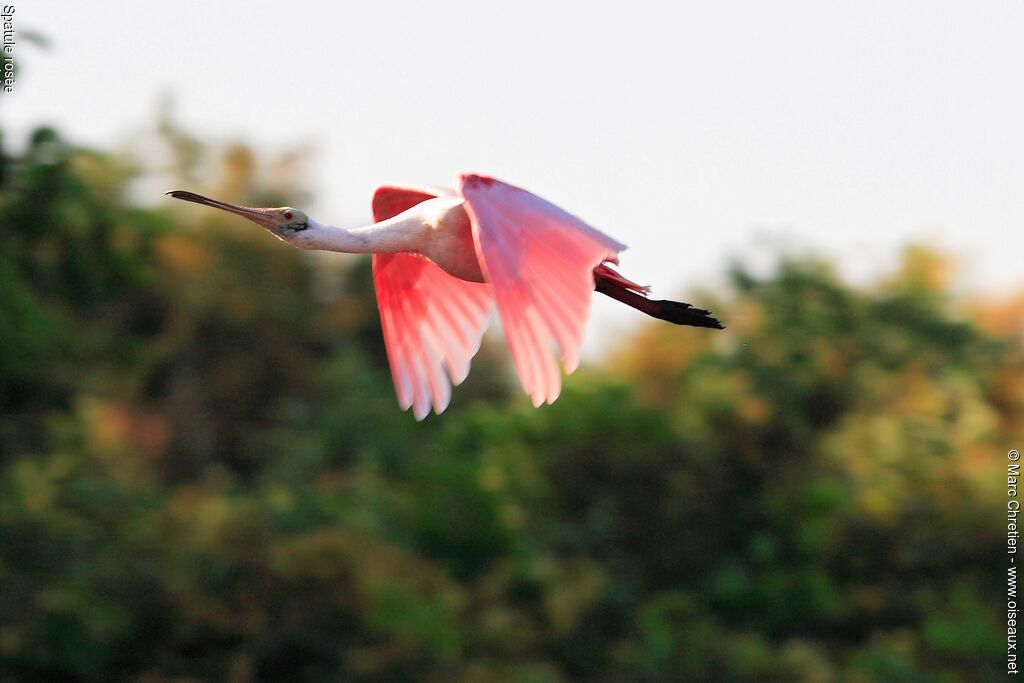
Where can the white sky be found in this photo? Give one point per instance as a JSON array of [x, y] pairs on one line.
[[684, 130]]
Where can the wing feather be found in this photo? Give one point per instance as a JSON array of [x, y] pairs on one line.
[[540, 262], [432, 322]]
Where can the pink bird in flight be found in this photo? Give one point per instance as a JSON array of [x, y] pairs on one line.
[[442, 258]]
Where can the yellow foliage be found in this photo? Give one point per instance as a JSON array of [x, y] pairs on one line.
[[924, 269], [1003, 316], [182, 252]]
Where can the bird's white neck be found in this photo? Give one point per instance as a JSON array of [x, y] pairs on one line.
[[411, 230], [404, 232]]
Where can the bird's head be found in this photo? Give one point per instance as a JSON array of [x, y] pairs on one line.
[[283, 222]]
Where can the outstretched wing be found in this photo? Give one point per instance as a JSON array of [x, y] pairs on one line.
[[540, 262], [432, 322]]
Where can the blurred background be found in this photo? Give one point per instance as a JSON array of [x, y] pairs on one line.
[[204, 474]]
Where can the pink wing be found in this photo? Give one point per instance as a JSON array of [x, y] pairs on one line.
[[540, 262], [432, 322]]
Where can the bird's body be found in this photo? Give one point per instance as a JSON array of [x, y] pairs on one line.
[[447, 240], [442, 260]]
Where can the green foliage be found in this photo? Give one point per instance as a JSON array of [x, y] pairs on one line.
[[204, 475]]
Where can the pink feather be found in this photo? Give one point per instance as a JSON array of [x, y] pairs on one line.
[[432, 322], [540, 262]]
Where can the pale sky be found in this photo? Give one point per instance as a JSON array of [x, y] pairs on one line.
[[684, 130]]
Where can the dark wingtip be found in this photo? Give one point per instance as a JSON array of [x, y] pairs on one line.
[[684, 314], [675, 312]]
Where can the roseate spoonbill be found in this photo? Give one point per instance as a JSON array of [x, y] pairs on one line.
[[442, 257]]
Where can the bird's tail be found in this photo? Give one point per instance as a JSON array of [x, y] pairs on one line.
[[610, 283]]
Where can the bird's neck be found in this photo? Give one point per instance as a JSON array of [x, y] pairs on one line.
[[401, 233]]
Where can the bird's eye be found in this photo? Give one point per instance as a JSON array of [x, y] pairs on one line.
[[288, 215]]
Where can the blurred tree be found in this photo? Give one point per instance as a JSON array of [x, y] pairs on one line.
[[204, 476]]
